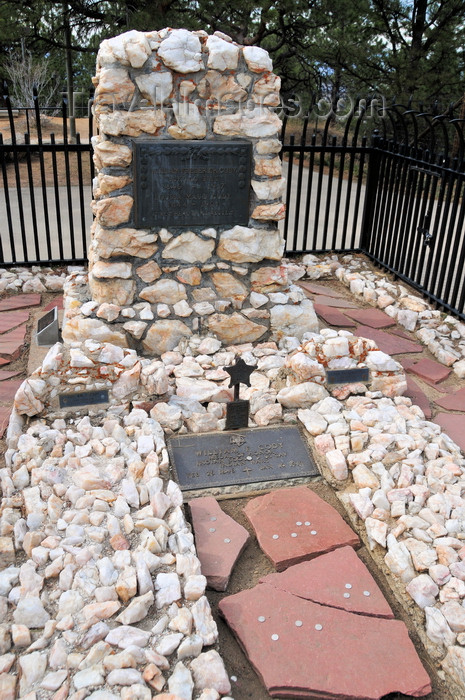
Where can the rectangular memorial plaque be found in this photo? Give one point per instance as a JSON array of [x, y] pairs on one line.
[[83, 398], [348, 376], [191, 183], [240, 457]]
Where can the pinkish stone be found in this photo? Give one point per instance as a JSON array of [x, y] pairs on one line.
[[12, 319], [314, 288], [430, 370], [375, 318], [338, 579], [387, 342], [454, 425], [219, 541], [453, 402], [418, 396], [19, 301], [333, 316], [305, 650], [274, 518]]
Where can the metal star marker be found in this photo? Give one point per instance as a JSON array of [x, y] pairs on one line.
[[240, 374]]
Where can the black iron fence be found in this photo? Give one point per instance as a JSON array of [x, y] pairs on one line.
[[388, 183], [45, 187], [384, 181]]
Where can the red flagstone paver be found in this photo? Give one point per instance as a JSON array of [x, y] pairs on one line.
[[20, 301], [391, 344], [4, 362], [301, 649], [429, 370], [408, 362], [454, 425], [12, 319], [12, 342], [9, 388], [453, 402], [58, 302], [5, 412], [320, 289], [293, 525], [7, 374], [219, 541], [338, 579], [375, 318], [332, 316], [331, 301], [418, 396]]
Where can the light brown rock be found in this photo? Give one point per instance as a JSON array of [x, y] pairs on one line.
[[164, 335], [110, 183], [111, 155], [268, 167], [190, 275], [125, 241], [256, 123], [149, 272], [116, 291], [113, 211], [229, 287], [78, 329], [269, 212], [141, 121], [188, 247], [165, 291], [221, 87], [242, 244], [235, 328]]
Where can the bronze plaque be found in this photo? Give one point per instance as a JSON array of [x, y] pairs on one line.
[[348, 376], [191, 183], [240, 457]]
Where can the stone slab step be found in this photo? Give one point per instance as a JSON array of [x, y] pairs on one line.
[[454, 425], [294, 525], [331, 301], [453, 402], [333, 316], [387, 342], [314, 288], [301, 649], [8, 389], [338, 579], [418, 396], [12, 319], [7, 374], [12, 342], [58, 302], [375, 318], [430, 370], [219, 541], [20, 301]]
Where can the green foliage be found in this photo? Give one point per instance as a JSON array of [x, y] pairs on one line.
[[333, 47]]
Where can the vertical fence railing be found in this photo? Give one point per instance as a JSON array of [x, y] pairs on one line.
[[46, 193], [326, 171], [415, 214]]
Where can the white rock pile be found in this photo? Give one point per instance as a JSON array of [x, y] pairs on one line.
[[441, 333], [33, 279]]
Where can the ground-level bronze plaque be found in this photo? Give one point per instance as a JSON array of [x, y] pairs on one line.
[[240, 457], [191, 183]]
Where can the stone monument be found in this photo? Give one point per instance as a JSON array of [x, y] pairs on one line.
[[188, 196]]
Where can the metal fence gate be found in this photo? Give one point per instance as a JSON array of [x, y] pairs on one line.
[[45, 186]]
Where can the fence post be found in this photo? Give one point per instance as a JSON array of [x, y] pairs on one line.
[[374, 160]]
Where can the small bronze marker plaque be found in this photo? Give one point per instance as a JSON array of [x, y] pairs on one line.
[[83, 398], [241, 457], [348, 376], [191, 183]]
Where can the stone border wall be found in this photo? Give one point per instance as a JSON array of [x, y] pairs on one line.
[[156, 286]]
